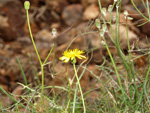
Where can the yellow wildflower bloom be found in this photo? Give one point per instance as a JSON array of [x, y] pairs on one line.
[[71, 55]]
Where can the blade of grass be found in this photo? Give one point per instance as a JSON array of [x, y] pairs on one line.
[[148, 8], [13, 99], [48, 55], [23, 74], [1, 106], [139, 10], [142, 93], [146, 92]]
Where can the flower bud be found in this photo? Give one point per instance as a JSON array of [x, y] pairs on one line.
[[103, 43], [125, 13], [129, 18], [104, 27], [104, 11], [101, 33], [74, 61], [98, 24], [110, 8], [54, 32], [27, 5], [117, 6]]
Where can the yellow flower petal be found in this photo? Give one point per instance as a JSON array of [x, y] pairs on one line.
[[72, 54], [66, 60]]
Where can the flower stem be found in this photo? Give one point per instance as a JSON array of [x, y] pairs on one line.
[[74, 100], [53, 56], [42, 87], [33, 39], [78, 82]]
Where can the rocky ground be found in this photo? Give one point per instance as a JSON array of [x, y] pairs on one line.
[[74, 21]]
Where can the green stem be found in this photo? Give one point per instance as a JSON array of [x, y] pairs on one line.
[[128, 44], [118, 45], [33, 39], [24, 77], [74, 100], [13, 99], [42, 87], [69, 85], [142, 93], [114, 65], [138, 10], [132, 72], [37, 55], [148, 9], [78, 82], [48, 56], [54, 56]]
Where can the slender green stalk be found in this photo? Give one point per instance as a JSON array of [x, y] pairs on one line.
[[116, 42], [128, 44], [68, 106], [23, 74], [32, 38], [1, 106], [69, 85], [139, 10], [118, 49], [79, 87], [42, 87], [132, 71], [13, 99], [111, 24], [48, 56], [114, 65], [54, 56], [118, 45], [148, 9], [143, 23], [74, 100], [147, 96], [24, 77], [142, 93]]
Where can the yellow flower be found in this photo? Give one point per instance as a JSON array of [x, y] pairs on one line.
[[71, 55]]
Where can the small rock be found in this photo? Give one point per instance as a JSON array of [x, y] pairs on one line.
[[12, 24], [125, 2], [86, 3], [106, 3], [146, 28], [4, 21], [5, 87], [72, 14], [91, 12], [44, 35], [123, 36], [5, 101], [63, 38], [57, 5], [17, 92]]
